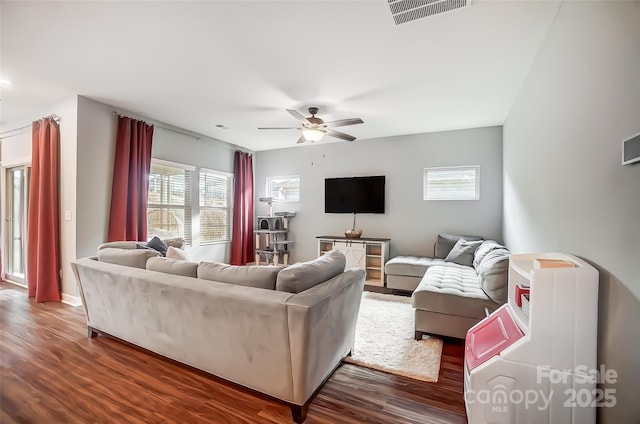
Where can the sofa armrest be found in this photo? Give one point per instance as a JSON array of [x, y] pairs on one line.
[[322, 325]]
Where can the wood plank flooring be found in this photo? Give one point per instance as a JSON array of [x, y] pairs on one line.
[[51, 372]]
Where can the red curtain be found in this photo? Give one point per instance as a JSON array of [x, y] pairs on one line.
[[128, 216], [242, 237], [43, 224]]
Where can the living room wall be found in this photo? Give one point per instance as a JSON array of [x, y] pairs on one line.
[[96, 150], [16, 150], [410, 222], [564, 186]]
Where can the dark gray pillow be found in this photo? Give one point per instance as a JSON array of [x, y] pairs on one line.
[[462, 252], [445, 243], [157, 244]]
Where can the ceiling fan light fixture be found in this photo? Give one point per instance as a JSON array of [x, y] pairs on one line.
[[312, 135]]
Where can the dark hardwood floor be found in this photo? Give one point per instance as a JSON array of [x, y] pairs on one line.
[[51, 372]]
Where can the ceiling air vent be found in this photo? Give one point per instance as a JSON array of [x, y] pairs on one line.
[[409, 10]]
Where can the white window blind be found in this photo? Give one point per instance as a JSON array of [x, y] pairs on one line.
[[452, 183], [169, 202], [284, 189], [215, 190]]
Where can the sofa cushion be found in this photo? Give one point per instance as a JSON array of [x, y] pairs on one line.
[[462, 252], [304, 275], [136, 258], [493, 274], [486, 247], [262, 277], [445, 243], [118, 245], [452, 291], [412, 266], [173, 266]]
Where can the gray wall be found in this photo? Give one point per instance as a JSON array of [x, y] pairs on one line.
[[564, 187], [411, 223], [96, 151]]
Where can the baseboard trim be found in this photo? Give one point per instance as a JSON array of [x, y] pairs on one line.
[[71, 300]]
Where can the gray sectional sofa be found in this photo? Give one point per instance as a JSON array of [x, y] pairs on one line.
[[452, 293], [281, 332]]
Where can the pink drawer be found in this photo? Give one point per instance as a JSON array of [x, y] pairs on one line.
[[490, 337]]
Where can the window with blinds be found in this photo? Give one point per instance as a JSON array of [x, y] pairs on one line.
[[215, 190], [452, 183], [169, 202]]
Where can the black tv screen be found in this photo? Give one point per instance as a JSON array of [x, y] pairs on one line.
[[354, 195]]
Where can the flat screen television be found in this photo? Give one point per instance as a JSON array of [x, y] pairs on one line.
[[354, 195]]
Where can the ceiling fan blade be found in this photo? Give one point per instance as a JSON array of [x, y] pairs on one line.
[[338, 134], [298, 116], [344, 122], [301, 140], [278, 128]]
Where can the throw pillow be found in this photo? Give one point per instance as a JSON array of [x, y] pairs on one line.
[[493, 273], [173, 266], [445, 243], [175, 253], [304, 275], [262, 277], [157, 244], [486, 247], [175, 242], [462, 252]]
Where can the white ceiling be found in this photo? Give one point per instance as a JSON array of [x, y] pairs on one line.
[[241, 63]]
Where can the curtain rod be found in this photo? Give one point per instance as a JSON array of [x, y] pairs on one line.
[[52, 116], [209, 140]]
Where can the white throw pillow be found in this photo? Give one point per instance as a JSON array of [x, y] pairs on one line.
[[175, 253]]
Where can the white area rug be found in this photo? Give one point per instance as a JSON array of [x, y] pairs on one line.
[[385, 339]]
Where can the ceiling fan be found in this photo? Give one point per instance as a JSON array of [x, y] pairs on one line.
[[313, 129]]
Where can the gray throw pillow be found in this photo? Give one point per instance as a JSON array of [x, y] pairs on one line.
[[262, 277], [462, 252], [173, 266], [445, 243], [157, 244], [304, 275], [486, 247]]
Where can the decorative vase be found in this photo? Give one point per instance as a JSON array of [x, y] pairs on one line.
[[353, 233]]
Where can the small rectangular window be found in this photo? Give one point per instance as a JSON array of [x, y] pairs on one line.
[[284, 189], [215, 190], [452, 183]]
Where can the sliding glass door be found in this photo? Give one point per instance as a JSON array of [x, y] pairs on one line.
[[17, 202]]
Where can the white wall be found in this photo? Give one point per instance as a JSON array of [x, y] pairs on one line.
[[564, 187], [411, 223]]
